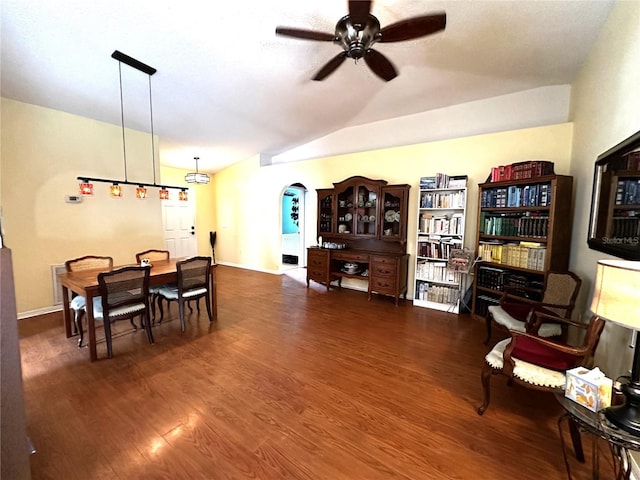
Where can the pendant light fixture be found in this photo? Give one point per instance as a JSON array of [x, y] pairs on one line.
[[196, 177], [86, 187]]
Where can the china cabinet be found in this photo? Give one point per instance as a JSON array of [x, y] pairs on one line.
[[363, 226]]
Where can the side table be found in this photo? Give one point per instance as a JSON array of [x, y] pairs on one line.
[[620, 442]]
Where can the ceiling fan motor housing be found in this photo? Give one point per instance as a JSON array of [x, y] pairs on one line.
[[357, 39]]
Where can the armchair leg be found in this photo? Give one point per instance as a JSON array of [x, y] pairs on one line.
[[486, 387], [487, 321]]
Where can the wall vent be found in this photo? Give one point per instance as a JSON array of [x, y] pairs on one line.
[[57, 288]]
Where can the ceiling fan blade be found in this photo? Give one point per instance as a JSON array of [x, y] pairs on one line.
[[413, 28], [380, 65], [331, 66], [359, 11], [305, 34]]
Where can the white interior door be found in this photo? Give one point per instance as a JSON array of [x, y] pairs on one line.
[[180, 226]]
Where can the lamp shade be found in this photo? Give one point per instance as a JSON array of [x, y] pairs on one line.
[[616, 293]]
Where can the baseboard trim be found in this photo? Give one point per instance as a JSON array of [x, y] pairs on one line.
[[39, 311]]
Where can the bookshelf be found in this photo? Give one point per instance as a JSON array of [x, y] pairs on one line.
[[441, 225], [523, 232]]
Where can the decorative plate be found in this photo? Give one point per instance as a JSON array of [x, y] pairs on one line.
[[348, 217], [397, 216], [390, 215]]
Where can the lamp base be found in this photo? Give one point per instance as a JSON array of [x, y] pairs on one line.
[[627, 416]]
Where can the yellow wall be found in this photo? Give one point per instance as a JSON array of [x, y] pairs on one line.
[[248, 196], [43, 151]]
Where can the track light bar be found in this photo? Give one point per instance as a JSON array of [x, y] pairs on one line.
[[126, 182]]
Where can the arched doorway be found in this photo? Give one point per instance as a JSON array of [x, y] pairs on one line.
[[294, 202]]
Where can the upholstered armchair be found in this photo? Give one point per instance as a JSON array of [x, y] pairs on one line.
[[536, 362], [515, 312]]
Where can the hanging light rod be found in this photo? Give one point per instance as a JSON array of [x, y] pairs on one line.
[[127, 182], [132, 62]]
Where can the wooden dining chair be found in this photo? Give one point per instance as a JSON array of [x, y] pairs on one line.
[[124, 294], [193, 284], [154, 255], [78, 302]]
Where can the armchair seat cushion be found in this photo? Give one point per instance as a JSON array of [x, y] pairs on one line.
[[509, 316], [535, 352], [524, 370]]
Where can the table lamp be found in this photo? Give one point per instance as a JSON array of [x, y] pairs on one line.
[[616, 298]]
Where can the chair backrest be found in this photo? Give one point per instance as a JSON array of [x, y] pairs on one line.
[[193, 273], [89, 262], [153, 255], [124, 286], [591, 339], [562, 289]]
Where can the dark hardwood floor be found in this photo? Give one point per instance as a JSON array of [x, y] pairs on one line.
[[288, 383]]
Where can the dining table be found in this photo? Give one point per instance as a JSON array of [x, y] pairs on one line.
[[85, 283]]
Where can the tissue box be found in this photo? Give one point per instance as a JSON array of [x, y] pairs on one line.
[[589, 388]]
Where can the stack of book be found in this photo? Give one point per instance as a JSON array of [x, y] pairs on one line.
[[442, 180]]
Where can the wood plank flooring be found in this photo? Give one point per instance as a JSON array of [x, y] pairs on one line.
[[288, 383]]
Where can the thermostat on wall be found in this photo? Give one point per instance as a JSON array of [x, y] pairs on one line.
[[73, 199]]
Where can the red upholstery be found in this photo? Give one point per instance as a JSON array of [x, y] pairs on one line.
[[534, 352], [518, 310]]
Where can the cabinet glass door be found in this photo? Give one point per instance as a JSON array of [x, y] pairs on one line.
[[367, 219], [394, 204], [325, 212], [346, 210]]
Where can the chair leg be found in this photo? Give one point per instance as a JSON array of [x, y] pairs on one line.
[[161, 309], [107, 336], [147, 323], [487, 321], [152, 304], [78, 322], [181, 311], [486, 387], [207, 302]]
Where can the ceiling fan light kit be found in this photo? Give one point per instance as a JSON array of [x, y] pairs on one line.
[[359, 30]]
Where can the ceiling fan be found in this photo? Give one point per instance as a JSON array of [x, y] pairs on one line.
[[357, 31]]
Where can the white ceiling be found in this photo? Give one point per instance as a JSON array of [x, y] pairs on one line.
[[227, 88]]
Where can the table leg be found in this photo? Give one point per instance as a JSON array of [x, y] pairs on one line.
[[91, 327], [576, 440], [562, 445], [66, 312]]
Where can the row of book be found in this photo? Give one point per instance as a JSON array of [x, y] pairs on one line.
[[437, 272], [529, 255], [441, 224], [536, 195], [521, 170], [628, 192], [436, 247], [626, 227], [497, 278], [442, 180], [514, 225], [437, 293], [442, 199]]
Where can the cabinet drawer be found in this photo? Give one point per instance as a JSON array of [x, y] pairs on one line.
[[316, 262], [350, 257], [318, 275], [383, 267], [383, 285]]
